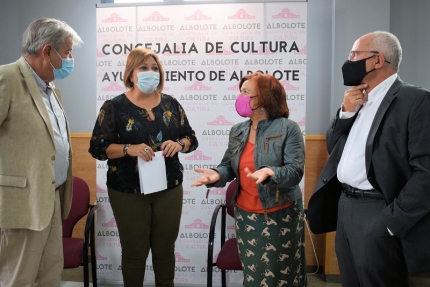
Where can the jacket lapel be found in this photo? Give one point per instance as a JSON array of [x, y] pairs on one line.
[[28, 77], [385, 104]]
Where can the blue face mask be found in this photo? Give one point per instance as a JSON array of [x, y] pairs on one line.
[[147, 82], [66, 67]]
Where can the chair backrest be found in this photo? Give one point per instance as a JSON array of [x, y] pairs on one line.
[[80, 205], [229, 197]]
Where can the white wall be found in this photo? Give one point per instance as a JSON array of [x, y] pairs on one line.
[[412, 26], [79, 88], [10, 31]]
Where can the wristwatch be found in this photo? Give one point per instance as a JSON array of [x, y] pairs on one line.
[[181, 143], [125, 148]]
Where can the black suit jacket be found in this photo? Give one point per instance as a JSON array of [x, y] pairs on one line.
[[397, 164]]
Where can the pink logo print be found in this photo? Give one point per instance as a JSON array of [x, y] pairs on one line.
[[155, 16], [165, 88], [125, 54], [99, 54], [285, 13], [234, 88], [218, 191], [110, 223], [114, 18], [198, 86], [101, 190], [224, 52], [186, 191], [241, 14], [302, 122], [214, 258], [220, 121], [288, 86], [99, 257], [198, 15], [260, 51], [179, 258], [302, 50], [231, 226], [197, 224], [198, 155], [114, 86]]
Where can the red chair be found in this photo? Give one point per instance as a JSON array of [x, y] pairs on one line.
[[75, 250], [228, 257]]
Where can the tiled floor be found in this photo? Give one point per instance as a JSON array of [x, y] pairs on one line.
[[74, 278]]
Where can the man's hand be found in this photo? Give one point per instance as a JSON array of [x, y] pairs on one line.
[[354, 97]]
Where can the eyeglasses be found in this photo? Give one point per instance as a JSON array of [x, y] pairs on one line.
[[354, 54]]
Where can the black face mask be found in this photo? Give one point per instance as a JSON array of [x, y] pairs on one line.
[[355, 71]]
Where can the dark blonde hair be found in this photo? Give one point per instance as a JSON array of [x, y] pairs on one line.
[[136, 57], [271, 94]]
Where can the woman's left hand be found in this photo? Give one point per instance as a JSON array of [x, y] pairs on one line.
[[259, 175], [170, 148]]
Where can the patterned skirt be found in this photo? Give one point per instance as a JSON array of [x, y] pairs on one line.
[[272, 252]]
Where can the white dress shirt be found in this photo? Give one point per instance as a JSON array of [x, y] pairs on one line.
[[352, 166]]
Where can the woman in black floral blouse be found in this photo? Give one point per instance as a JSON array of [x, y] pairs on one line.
[[136, 124]]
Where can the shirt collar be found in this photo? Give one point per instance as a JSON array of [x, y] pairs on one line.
[[380, 90], [40, 83]]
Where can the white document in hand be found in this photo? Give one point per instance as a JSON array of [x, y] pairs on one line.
[[152, 174]]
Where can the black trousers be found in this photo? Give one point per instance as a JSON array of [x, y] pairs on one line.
[[368, 255]]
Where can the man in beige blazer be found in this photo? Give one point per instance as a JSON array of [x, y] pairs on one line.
[[35, 157]]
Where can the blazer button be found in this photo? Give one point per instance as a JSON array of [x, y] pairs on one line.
[[53, 157], [324, 180]]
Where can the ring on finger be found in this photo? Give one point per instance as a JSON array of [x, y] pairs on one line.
[[146, 149]]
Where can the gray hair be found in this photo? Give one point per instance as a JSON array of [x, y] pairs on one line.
[[388, 45], [47, 31]]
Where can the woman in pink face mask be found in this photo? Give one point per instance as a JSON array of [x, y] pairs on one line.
[[266, 156]]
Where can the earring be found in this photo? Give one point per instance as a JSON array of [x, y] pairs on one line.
[[261, 111]]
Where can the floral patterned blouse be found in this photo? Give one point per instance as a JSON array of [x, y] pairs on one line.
[[121, 122]]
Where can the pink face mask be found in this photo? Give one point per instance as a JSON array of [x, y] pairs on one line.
[[243, 107]]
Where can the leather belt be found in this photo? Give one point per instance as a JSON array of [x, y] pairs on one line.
[[350, 191]]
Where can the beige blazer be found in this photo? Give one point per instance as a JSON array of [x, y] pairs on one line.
[[27, 153]]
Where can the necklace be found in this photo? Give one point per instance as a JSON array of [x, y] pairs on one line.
[[253, 128]]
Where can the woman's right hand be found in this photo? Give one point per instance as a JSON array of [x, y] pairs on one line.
[[208, 176], [141, 150]]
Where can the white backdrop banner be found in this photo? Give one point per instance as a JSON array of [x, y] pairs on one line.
[[205, 50]]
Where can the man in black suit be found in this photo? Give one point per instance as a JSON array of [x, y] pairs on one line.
[[375, 188]]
